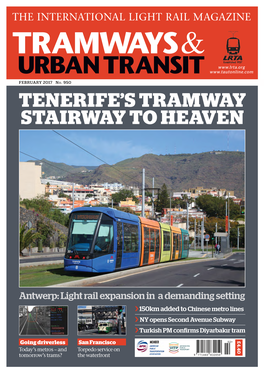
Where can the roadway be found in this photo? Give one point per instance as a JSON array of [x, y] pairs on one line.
[[216, 272], [29, 326], [44, 259], [96, 332], [222, 272], [39, 259], [219, 271]]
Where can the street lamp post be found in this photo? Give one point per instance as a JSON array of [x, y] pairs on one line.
[[170, 207], [202, 235], [143, 193], [195, 234], [238, 237], [187, 222], [73, 195], [153, 197]]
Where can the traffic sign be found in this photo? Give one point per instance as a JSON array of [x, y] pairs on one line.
[[207, 236]]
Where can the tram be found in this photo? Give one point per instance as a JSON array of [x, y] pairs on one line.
[[233, 45], [107, 326], [102, 240]]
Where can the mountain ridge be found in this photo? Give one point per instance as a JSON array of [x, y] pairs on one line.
[[219, 169]]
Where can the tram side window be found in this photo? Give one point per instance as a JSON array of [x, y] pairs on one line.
[[186, 242], [157, 240], [130, 238], [166, 241], [152, 240], [179, 241], [175, 241], [119, 236], [104, 241], [146, 239]]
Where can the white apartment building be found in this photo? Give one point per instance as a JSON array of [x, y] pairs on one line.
[[30, 180]]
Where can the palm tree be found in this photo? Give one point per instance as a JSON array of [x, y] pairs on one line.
[[27, 236]]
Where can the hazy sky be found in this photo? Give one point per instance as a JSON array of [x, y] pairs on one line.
[[114, 146]]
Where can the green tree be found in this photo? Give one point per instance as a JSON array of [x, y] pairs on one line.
[[45, 230], [233, 235], [62, 239], [209, 225], [181, 202], [212, 206], [126, 209], [59, 217], [63, 195], [39, 204], [122, 195], [163, 200], [26, 236], [44, 207], [216, 206], [148, 193]]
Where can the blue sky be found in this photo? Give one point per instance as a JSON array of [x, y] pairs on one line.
[[115, 146]]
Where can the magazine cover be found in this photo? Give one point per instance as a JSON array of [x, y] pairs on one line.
[[132, 184]]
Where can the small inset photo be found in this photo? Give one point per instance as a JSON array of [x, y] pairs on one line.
[[43, 320], [98, 320]]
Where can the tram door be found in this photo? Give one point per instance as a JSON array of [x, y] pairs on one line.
[[146, 246], [119, 245], [180, 245], [157, 251], [174, 244]]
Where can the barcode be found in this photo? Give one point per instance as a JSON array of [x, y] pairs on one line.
[[210, 346], [227, 348]]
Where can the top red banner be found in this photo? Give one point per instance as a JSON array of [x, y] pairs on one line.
[[132, 43]]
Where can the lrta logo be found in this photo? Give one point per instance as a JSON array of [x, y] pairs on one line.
[[232, 58], [233, 48]]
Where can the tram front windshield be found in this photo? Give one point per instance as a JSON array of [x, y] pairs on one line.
[[85, 236], [232, 42]]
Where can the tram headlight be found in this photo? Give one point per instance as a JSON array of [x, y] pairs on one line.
[[82, 257]]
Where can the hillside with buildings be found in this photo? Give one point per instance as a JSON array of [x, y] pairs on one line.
[[216, 174], [57, 170], [196, 177], [222, 170]]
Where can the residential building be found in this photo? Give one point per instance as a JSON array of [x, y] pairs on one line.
[[98, 189], [30, 180], [181, 194], [128, 203], [79, 193], [216, 192]]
